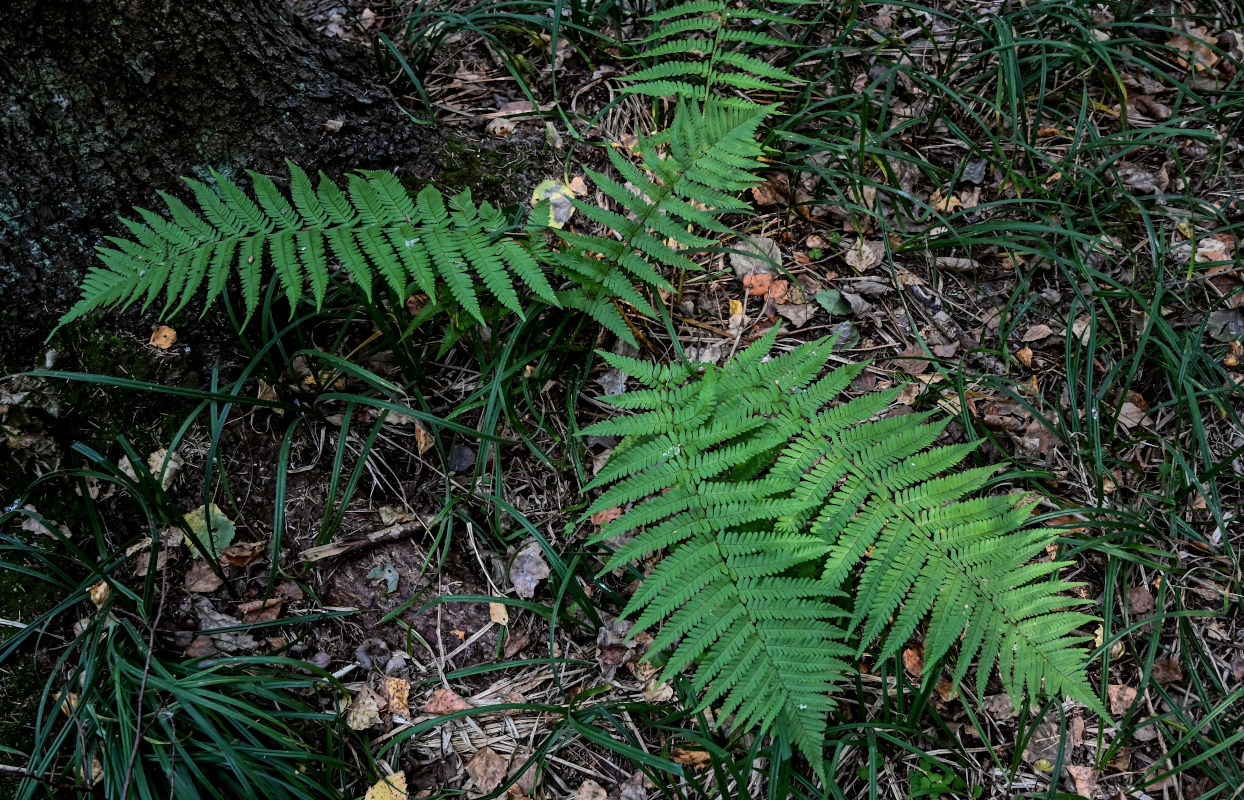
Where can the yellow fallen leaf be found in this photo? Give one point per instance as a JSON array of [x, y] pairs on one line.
[[392, 787], [364, 711], [499, 613]]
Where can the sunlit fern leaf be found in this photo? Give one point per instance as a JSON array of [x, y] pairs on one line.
[[374, 230], [799, 531]]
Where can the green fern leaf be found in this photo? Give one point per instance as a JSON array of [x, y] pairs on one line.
[[770, 502]]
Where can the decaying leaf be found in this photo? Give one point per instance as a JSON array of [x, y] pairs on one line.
[[635, 787], [211, 531], [261, 610], [602, 518], [864, 255], [387, 573], [558, 195], [364, 710], [228, 641], [445, 701], [163, 337], [392, 787], [396, 695], [202, 579], [1167, 670], [499, 613], [487, 769], [1121, 698], [759, 254], [1085, 779], [527, 570], [913, 661], [590, 790], [242, 553], [691, 758]]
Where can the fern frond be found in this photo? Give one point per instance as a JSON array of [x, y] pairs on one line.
[[684, 179], [374, 229], [699, 48], [770, 502]]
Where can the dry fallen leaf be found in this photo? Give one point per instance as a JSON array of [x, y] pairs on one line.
[[635, 787], [163, 337], [590, 790], [913, 662], [1085, 779], [392, 787], [243, 553], [527, 570], [864, 255], [1167, 670], [1025, 356], [201, 578], [364, 711], [445, 701], [261, 610], [602, 518], [499, 613], [691, 758], [1121, 698], [1037, 332], [396, 694], [487, 768], [1139, 601]]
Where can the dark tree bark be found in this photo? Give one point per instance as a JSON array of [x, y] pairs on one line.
[[103, 102]]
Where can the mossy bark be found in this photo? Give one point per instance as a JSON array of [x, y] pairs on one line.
[[104, 102]]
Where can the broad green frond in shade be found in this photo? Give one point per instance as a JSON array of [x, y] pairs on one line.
[[374, 232], [800, 531]]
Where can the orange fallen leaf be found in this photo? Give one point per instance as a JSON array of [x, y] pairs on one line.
[[242, 554], [445, 701], [913, 662], [602, 518], [163, 337], [396, 694], [757, 283], [691, 758]]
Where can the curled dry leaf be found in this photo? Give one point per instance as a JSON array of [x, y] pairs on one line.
[[527, 570], [242, 554], [1037, 332], [261, 610], [445, 701], [602, 518], [691, 758]]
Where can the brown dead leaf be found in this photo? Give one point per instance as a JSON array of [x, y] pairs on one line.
[[515, 643], [1043, 746], [945, 204], [1194, 44], [445, 701], [261, 610], [757, 283], [396, 694], [487, 768], [1025, 355], [525, 784], [364, 710], [864, 255], [1139, 600], [241, 555], [163, 337], [945, 690], [591, 790], [1037, 332], [909, 362], [200, 647], [527, 570], [392, 787], [913, 661], [658, 692], [201, 579], [1167, 670], [774, 191], [602, 518], [100, 593], [691, 758], [613, 648], [635, 787], [1085, 779], [1121, 698]]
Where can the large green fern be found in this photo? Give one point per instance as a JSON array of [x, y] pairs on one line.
[[701, 48], [771, 501], [686, 177], [372, 229]]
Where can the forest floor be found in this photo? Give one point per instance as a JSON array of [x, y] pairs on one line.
[[1025, 216]]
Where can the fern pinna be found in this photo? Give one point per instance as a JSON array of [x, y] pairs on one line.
[[702, 47], [374, 228], [687, 176], [799, 533]]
